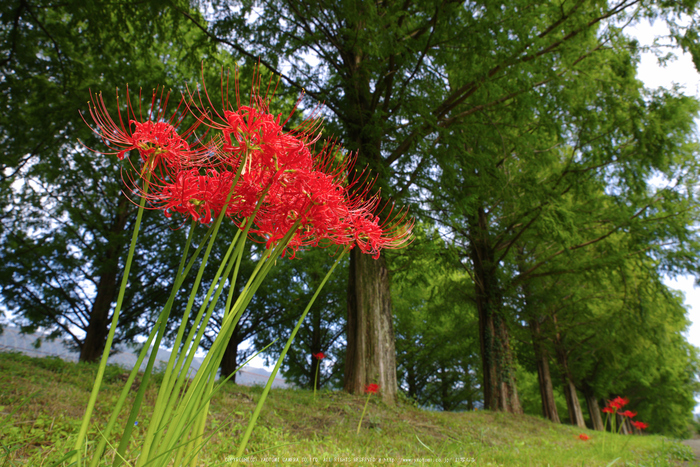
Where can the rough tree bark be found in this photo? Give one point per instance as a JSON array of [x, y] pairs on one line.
[[370, 354], [229, 361], [98, 327], [371, 351], [500, 391], [549, 406], [572, 401], [593, 407]]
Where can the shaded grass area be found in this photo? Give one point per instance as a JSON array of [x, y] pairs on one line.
[[42, 401]]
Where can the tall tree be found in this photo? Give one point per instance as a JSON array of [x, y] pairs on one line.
[[546, 163], [66, 222], [621, 329]]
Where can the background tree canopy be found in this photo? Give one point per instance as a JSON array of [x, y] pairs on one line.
[[553, 192]]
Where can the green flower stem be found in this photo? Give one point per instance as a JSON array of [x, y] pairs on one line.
[[212, 360], [238, 255], [622, 423], [191, 343], [189, 396], [194, 393], [110, 337], [164, 452], [258, 408], [318, 365], [201, 422], [181, 275], [255, 280], [158, 328], [168, 378], [359, 425], [605, 430], [166, 384]]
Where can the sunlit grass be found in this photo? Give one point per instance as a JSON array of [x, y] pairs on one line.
[[41, 403]]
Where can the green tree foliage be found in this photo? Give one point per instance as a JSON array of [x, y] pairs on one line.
[[437, 342], [394, 75], [288, 291], [558, 170], [622, 330], [65, 221]]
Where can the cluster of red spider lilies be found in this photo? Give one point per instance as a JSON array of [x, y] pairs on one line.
[[614, 408], [244, 160]]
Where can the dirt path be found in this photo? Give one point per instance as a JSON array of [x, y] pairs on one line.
[[695, 446]]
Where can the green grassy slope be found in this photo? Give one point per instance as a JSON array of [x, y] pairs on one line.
[[41, 402]]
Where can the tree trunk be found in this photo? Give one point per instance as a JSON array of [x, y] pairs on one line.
[[594, 410], [411, 380], [370, 355], [444, 390], [549, 406], [623, 424], [572, 401], [315, 346], [371, 352], [229, 361], [500, 391], [98, 327]]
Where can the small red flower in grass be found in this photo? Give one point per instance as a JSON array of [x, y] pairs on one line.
[[319, 355], [584, 437], [369, 390], [608, 410], [640, 425], [628, 413]]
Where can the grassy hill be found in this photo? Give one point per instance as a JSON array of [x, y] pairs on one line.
[[42, 400]]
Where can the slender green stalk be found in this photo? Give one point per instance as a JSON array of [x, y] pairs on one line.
[[605, 430], [258, 408], [184, 407], [194, 393], [166, 385], [115, 320], [132, 376], [318, 365], [180, 277], [359, 425], [164, 392]]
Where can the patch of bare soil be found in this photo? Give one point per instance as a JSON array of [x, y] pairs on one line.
[[695, 446]]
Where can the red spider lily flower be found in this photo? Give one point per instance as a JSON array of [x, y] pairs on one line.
[[640, 425], [608, 410], [371, 237], [155, 136], [618, 402], [584, 437], [319, 355], [201, 197], [371, 388], [304, 191], [628, 413]]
